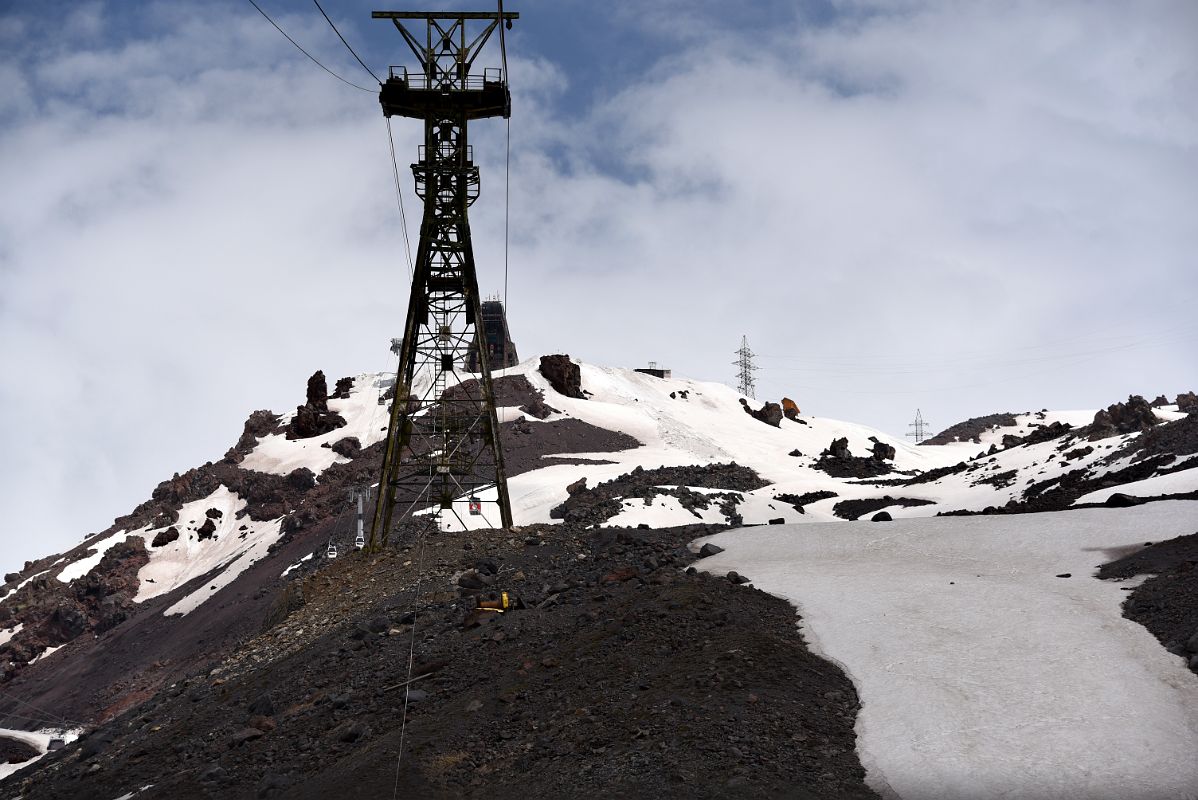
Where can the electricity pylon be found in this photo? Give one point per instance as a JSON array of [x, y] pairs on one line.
[[745, 369], [443, 436], [920, 426]]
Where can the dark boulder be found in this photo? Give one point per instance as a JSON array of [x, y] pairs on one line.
[[262, 706], [14, 751], [1187, 402], [260, 423], [770, 413], [350, 731], [1160, 400], [309, 422], [563, 375], [163, 538], [206, 531], [341, 392], [882, 451], [537, 407], [710, 549], [349, 447], [67, 622], [882, 516], [1121, 500], [301, 478], [839, 448]]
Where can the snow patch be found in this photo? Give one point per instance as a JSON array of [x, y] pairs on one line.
[[1185, 480], [983, 674], [77, 569], [296, 565], [39, 739], [49, 651], [11, 632], [230, 550], [365, 418]]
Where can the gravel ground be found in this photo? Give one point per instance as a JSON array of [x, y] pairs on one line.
[[624, 676]]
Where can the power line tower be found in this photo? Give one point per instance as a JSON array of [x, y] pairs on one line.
[[443, 435], [745, 369], [920, 428]]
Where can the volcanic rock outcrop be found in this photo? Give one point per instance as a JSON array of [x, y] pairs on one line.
[[770, 413], [838, 462], [314, 418], [1131, 417], [563, 375]]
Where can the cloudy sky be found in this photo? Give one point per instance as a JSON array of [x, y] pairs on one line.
[[958, 207]]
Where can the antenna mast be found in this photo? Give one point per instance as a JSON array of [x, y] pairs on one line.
[[442, 445]]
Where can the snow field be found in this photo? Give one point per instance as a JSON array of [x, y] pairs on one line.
[[1185, 480], [707, 427], [981, 673], [230, 550], [364, 418]]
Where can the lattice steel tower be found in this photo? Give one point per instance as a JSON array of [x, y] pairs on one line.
[[442, 445], [745, 384], [920, 427]]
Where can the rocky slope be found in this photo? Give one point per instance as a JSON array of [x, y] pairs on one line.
[[621, 674], [189, 580]]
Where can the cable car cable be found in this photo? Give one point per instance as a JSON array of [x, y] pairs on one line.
[[403, 217], [305, 52], [347, 47]]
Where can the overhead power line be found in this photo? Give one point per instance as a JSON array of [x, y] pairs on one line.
[[347, 47], [305, 52]]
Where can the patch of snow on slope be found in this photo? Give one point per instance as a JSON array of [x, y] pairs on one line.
[[30, 578], [364, 418], [296, 565], [39, 739], [49, 651], [11, 632], [981, 673], [1185, 480], [230, 550], [129, 795], [663, 511], [77, 569]]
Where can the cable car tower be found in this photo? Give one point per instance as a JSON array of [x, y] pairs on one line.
[[443, 435]]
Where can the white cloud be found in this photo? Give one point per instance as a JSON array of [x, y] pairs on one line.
[[961, 208]]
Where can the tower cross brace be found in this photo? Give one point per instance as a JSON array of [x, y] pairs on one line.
[[442, 448]]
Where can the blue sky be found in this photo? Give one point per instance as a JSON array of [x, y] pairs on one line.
[[960, 207]]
